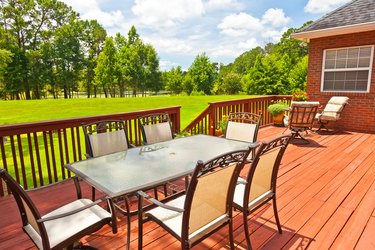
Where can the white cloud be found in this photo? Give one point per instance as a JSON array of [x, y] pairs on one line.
[[169, 45], [167, 65], [239, 24], [248, 44], [275, 17], [223, 4], [165, 12], [90, 9], [233, 49], [323, 6], [273, 35], [271, 26]]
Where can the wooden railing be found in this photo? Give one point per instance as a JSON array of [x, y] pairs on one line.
[[35, 153], [208, 121]]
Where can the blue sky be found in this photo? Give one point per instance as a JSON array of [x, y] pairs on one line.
[[179, 30]]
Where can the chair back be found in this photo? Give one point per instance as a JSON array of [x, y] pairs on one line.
[[262, 175], [105, 137], [155, 128], [302, 114], [243, 126], [29, 212], [206, 201], [334, 107]]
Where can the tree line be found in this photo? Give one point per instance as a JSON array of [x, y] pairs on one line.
[[46, 49]]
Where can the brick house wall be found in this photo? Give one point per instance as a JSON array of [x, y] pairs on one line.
[[359, 115]]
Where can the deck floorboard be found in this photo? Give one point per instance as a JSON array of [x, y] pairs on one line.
[[325, 195]]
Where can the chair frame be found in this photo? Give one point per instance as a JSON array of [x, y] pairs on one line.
[[20, 194], [102, 126], [282, 142], [322, 123], [302, 116], [239, 157], [245, 117], [150, 119]]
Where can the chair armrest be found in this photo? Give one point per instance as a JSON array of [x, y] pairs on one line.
[[132, 146], [54, 217], [160, 204]]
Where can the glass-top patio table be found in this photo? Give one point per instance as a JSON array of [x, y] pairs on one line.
[[144, 167], [152, 165]]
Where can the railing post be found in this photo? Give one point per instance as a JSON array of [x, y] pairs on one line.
[[211, 119]]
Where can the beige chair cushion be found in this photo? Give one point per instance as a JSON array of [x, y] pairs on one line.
[[261, 183], [173, 220], [333, 108], [240, 131], [61, 229], [208, 208], [108, 143], [158, 132]]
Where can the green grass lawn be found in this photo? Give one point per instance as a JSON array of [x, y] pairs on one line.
[[38, 110]]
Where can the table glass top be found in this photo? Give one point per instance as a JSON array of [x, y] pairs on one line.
[[147, 166]]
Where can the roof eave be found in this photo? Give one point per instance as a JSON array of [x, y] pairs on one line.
[[342, 30]]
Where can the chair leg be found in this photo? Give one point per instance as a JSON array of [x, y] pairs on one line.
[[231, 239], [128, 222], [156, 193], [165, 190], [276, 215], [78, 187], [93, 193], [246, 230]]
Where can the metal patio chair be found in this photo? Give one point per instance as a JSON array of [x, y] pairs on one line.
[[206, 207], [259, 186], [155, 128], [64, 226], [301, 119], [242, 126], [105, 137], [331, 112]]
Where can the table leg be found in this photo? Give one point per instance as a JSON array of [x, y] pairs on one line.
[[140, 222]]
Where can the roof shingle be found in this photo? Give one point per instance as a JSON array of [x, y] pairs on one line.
[[355, 12]]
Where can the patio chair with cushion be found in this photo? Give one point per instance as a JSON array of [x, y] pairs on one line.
[[301, 118], [331, 112], [206, 207], [243, 126], [259, 186], [105, 137], [155, 128], [64, 226]]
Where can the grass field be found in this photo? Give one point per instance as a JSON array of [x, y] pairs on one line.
[[38, 110]]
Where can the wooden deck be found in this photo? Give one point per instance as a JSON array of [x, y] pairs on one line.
[[326, 199]]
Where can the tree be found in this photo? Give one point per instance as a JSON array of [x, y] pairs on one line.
[[231, 84], [105, 69], [202, 73], [69, 56], [298, 75], [93, 38], [27, 25], [174, 79], [139, 64], [187, 84], [267, 77]]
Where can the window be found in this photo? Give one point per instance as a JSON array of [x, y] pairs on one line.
[[347, 69]]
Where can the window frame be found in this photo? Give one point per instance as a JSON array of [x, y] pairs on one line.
[[324, 70]]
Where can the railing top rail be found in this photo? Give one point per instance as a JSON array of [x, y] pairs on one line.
[[19, 128], [255, 99]]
